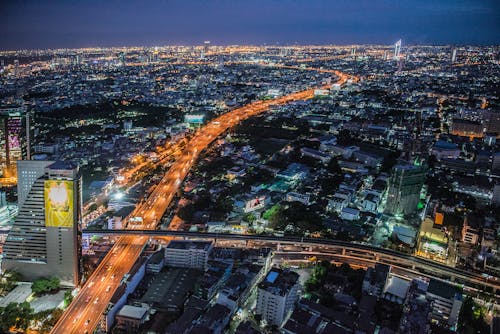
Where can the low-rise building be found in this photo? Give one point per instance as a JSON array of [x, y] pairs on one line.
[[446, 301], [376, 279], [188, 254]]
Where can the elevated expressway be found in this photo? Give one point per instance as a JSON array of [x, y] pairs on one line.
[[327, 248], [83, 314]]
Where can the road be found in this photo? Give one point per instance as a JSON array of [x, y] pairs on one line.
[[83, 314], [327, 246]]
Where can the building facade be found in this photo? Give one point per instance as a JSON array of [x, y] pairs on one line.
[[188, 254], [276, 295], [45, 238], [405, 185], [15, 133]]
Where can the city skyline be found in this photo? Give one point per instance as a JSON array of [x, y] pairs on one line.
[[69, 24]]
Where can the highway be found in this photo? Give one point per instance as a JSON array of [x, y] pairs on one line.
[[326, 246], [83, 314]]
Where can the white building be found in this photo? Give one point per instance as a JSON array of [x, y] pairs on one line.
[[28, 171], [276, 295], [188, 254]]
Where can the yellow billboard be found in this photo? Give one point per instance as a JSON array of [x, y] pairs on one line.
[[59, 208]]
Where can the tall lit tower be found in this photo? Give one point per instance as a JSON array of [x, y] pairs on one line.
[[15, 132], [206, 46], [16, 67], [454, 56], [397, 49], [404, 189], [45, 238]]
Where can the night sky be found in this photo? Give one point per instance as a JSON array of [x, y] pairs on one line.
[[33, 24]]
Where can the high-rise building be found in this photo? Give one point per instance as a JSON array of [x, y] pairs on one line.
[[454, 56], [492, 122], [397, 50], [4, 210], [16, 67], [276, 295], [15, 136], [405, 185], [206, 46], [28, 172], [45, 238]]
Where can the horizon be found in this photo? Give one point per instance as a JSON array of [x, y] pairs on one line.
[[58, 24], [258, 45]]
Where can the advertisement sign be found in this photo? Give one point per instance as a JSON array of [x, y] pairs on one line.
[[58, 196]]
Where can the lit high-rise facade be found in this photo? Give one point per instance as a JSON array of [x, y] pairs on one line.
[[15, 135], [405, 185], [45, 238]]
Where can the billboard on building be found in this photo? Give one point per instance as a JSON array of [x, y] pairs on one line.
[[59, 209]]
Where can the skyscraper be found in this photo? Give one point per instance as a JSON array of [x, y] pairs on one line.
[[404, 189], [397, 49], [206, 46], [454, 56], [45, 238], [15, 133], [28, 172]]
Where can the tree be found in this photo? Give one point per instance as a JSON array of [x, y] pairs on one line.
[[45, 285], [471, 318], [68, 297], [250, 218], [15, 315]]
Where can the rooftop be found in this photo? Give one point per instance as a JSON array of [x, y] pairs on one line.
[[278, 281], [135, 312], [187, 244], [442, 289]]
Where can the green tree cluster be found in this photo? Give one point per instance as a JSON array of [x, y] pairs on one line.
[[471, 318], [43, 285], [15, 315]]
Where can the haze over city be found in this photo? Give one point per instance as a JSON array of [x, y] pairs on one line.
[[31, 24], [250, 167]]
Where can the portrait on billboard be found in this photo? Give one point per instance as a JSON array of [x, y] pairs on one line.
[[58, 195]]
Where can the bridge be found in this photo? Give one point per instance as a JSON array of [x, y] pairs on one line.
[[334, 248]]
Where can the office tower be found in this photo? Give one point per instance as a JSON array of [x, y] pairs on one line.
[[188, 254], [15, 134], [276, 295], [4, 210], [454, 56], [492, 122], [16, 67], [397, 49], [404, 189], [206, 46], [45, 238], [28, 172]]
